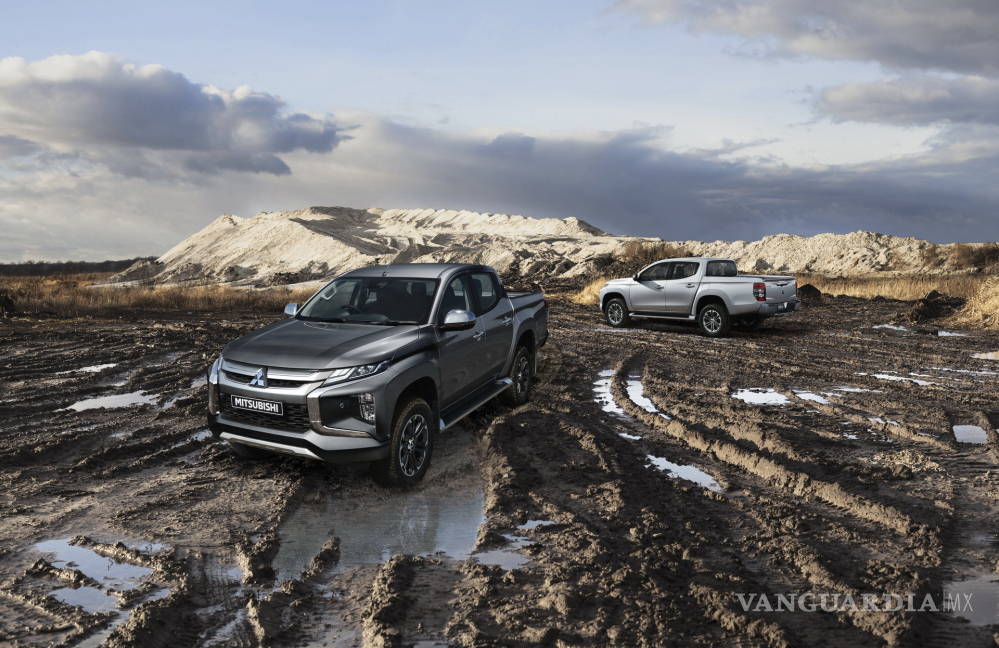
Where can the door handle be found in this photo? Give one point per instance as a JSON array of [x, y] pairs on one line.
[[478, 336], [658, 287], [691, 285], [506, 321]]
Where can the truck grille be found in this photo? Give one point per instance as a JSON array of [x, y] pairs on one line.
[[295, 419], [271, 382]]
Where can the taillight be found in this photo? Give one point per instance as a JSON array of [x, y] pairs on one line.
[[760, 291]]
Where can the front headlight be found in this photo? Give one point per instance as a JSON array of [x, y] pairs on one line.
[[353, 373]]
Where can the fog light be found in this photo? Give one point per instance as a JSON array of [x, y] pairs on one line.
[[366, 406]]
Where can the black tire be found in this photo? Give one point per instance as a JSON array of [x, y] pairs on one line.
[[522, 374], [616, 313], [750, 323], [249, 452], [410, 446], [714, 320]]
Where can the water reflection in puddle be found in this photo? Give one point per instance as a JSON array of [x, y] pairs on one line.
[[983, 606], [114, 401], [510, 556], [893, 377], [760, 396], [686, 472], [812, 396], [950, 334], [106, 571], [893, 327], [991, 355], [91, 369], [89, 598], [421, 523], [970, 434], [602, 394], [636, 392]]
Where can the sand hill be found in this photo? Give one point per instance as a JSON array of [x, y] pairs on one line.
[[275, 248]]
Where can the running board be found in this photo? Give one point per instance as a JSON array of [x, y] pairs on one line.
[[672, 317], [476, 401]]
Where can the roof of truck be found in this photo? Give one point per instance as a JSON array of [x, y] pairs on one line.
[[414, 270]]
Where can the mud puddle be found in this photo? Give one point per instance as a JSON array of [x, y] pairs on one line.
[[812, 396], [510, 557], [760, 396], [896, 378], [991, 355], [108, 572], [636, 392], [113, 401], [970, 434], [420, 523], [685, 472], [975, 599], [602, 395]]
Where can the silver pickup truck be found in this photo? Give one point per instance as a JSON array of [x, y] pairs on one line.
[[709, 290], [375, 364]]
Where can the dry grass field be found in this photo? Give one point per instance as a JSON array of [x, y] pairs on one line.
[[81, 295]]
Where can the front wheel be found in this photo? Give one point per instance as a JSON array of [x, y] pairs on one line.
[[714, 320], [522, 374], [616, 312], [410, 446]]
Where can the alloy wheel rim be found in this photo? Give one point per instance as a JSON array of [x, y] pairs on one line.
[[712, 321], [614, 313], [522, 375], [413, 445]]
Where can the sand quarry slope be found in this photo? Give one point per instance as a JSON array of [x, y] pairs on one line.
[[276, 248]]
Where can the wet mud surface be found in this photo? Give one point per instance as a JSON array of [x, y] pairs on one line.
[[655, 476]]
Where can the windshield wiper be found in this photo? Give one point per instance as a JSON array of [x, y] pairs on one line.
[[386, 322]]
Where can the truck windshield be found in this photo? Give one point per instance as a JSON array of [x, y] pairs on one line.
[[372, 300]]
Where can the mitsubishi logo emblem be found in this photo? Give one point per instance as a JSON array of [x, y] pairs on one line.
[[260, 380]]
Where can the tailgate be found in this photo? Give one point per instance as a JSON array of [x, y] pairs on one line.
[[780, 289]]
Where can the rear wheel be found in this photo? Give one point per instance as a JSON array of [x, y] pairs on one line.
[[249, 452], [616, 312], [410, 446], [522, 374], [714, 320]]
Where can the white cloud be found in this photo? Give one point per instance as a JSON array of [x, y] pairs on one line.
[[958, 35], [119, 113]]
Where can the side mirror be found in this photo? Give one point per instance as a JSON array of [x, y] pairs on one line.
[[290, 310], [634, 277], [458, 320]]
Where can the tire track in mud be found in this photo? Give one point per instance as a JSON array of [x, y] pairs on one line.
[[623, 554]]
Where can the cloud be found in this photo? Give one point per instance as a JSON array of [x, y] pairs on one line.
[[915, 101], [958, 35], [114, 110]]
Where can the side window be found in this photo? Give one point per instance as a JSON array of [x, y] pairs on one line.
[[456, 297], [485, 293], [685, 269], [657, 272], [722, 269]]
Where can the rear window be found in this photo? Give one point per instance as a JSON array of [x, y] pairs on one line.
[[721, 269]]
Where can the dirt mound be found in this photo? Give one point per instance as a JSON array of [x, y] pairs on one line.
[[288, 247], [934, 305], [809, 293]]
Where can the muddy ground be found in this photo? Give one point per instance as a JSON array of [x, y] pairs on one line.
[[655, 476]]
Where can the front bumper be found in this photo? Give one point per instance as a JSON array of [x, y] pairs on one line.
[[780, 308], [307, 445], [317, 422]]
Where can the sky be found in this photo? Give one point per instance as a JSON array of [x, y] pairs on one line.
[[125, 127]]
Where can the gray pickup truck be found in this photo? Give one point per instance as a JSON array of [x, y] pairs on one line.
[[710, 291], [375, 364]]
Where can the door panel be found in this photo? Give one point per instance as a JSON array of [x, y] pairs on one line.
[[460, 352], [495, 313], [647, 292], [680, 289]]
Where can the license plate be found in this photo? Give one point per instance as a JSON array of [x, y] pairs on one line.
[[256, 405]]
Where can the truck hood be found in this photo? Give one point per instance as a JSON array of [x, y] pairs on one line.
[[300, 344]]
